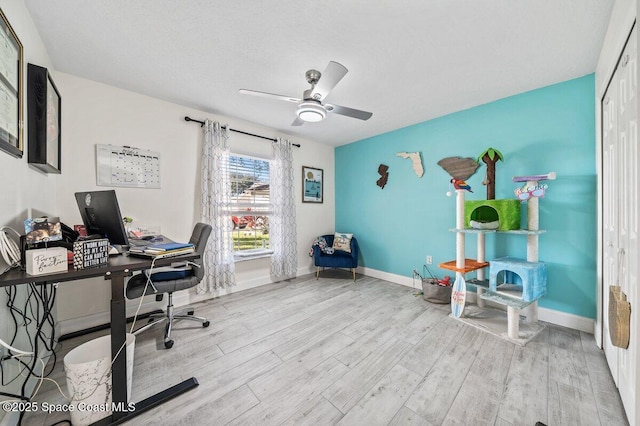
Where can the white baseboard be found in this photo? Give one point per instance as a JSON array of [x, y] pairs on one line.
[[182, 298], [185, 298], [551, 316], [388, 276], [565, 319], [101, 318]]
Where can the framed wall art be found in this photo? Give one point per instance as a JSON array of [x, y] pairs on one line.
[[312, 185], [44, 109], [10, 90]]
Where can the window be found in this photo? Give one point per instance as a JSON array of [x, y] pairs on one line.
[[250, 207]]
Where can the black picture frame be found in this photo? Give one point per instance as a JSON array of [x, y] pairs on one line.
[[312, 185], [11, 115], [44, 110]]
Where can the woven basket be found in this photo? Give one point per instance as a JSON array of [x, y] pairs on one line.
[[435, 293], [619, 317]]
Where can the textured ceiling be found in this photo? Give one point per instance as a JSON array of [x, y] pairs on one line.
[[408, 61]]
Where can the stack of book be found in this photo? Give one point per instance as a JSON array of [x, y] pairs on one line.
[[162, 250]]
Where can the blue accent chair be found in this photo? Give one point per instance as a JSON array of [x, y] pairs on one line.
[[339, 259]]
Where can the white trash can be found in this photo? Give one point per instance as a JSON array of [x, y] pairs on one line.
[[88, 370]]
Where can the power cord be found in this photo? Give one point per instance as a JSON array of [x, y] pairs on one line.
[[9, 248], [144, 292], [39, 302], [41, 378]]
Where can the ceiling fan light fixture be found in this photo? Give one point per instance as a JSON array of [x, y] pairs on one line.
[[311, 112]]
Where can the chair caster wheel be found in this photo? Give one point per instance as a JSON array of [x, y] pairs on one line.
[[190, 312], [206, 324], [168, 344]]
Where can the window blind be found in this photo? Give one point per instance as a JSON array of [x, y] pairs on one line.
[[249, 186]]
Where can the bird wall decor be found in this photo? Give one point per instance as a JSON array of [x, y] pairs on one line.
[[460, 184]]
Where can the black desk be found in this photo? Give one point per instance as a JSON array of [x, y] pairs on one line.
[[115, 271]]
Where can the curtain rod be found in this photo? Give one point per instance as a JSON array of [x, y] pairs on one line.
[[187, 118]]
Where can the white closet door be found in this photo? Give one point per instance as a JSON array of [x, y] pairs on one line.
[[628, 212], [620, 215], [610, 197]]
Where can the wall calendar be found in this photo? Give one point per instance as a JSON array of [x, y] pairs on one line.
[[127, 166]]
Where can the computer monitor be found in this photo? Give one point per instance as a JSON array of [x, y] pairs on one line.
[[101, 215]]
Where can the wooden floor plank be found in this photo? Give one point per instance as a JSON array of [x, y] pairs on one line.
[[502, 422], [468, 409], [277, 408], [361, 348], [348, 390], [565, 338], [384, 399], [569, 367], [319, 412], [493, 359], [571, 406], [277, 379], [219, 411], [406, 417], [220, 383], [421, 325], [313, 335], [430, 348], [525, 397], [320, 352], [608, 402], [436, 393]]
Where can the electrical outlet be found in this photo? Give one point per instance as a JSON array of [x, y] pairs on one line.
[[429, 259]]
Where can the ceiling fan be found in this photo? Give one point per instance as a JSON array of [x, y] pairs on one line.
[[312, 108]]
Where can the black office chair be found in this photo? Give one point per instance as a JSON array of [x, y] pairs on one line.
[[168, 280]]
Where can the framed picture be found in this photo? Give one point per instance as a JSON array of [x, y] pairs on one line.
[[44, 114], [312, 185], [10, 90]]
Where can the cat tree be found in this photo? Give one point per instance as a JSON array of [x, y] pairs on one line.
[[516, 284]]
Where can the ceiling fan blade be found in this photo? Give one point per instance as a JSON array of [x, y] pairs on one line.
[[328, 80], [297, 122], [349, 112], [268, 95]]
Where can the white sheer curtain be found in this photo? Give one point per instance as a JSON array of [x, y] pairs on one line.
[[282, 223], [216, 198]]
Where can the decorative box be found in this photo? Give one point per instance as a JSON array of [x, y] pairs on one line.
[[90, 253], [46, 261]]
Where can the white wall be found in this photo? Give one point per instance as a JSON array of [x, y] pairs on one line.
[[94, 113], [21, 186]]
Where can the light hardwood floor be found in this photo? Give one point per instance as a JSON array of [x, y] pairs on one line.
[[331, 351]]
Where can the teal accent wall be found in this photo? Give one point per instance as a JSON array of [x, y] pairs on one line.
[[544, 130]]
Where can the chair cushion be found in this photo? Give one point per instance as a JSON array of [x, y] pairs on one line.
[[170, 275], [166, 273], [342, 241], [339, 253]]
